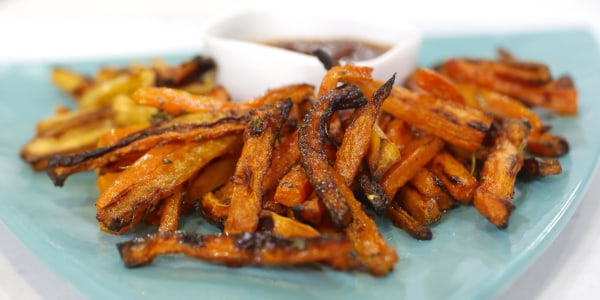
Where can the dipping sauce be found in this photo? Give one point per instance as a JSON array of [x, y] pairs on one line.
[[338, 50]]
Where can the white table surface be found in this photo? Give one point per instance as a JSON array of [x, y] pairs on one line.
[[37, 30]]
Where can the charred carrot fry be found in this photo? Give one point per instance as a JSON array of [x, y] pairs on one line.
[[345, 211], [373, 192], [184, 73], [354, 145], [403, 220], [344, 74], [62, 166], [123, 204], [311, 138], [534, 167], [240, 249]]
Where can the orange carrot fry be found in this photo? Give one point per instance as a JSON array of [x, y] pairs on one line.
[[284, 157], [423, 209], [398, 132], [254, 161], [547, 144], [456, 124], [176, 101], [354, 145], [493, 196], [212, 176], [415, 156], [122, 205], [457, 179], [170, 211], [284, 226], [293, 188], [214, 209], [518, 80], [432, 187], [310, 211], [437, 85]]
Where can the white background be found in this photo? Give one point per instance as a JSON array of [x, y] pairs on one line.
[[37, 30]]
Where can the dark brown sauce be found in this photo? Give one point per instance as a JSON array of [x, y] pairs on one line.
[[339, 50]]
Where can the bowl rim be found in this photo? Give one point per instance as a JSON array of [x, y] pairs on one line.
[[403, 38]]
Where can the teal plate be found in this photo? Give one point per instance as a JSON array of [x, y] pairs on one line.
[[467, 258]]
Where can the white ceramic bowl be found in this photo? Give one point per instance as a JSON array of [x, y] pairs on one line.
[[248, 68]]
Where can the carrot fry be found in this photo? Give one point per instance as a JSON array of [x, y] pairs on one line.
[[373, 192], [534, 167], [354, 145], [293, 188], [62, 166], [547, 144], [170, 211], [310, 211], [437, 85], [456, 178], [429, 185], [284, 157], [297, 93], [178, 102], [415, 156], [346, 74], [123, 204], [456, 124], [403, 220], [423, 209], [508, 107], [214, 209], [398, 132], [240, 249], [284, 226], [313, 158], [522, 81], [493, 196], [254, 161], [210, 177]]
